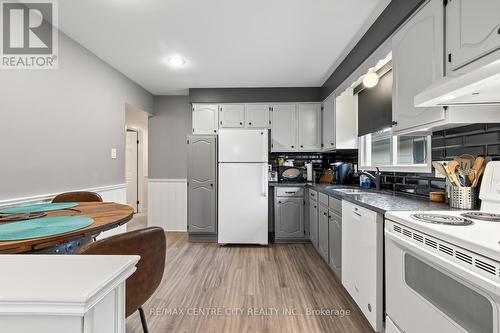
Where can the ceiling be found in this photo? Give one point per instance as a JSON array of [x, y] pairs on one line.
[[226, 43]]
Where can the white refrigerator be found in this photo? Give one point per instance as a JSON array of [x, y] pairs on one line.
[[243, 173]]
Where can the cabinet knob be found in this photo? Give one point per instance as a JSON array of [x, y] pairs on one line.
[[498, 32], [250, 123], [279, 202], [324, 214], [315, 207], [211, 185], [301, 146], [241, 123], [331, 143], [215, 131], [292, 146]]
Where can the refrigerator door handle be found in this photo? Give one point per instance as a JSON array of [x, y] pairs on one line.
[[264, 180]]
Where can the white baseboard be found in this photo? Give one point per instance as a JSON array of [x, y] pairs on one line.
[[167, 204]]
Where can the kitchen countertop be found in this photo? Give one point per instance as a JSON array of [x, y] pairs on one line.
[[381, 202]]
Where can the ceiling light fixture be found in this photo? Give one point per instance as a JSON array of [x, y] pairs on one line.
[[370, 79], [176, 61]]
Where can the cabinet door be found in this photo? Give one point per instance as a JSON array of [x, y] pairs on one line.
[[346, 121], [284, 128], [257, 116], [323, 232], [309, 126], [202, 201], [232, 115], [205, 118], [313, 223], [335, 243], [417, 54], [472, 30], [329, 123], [289, 217]]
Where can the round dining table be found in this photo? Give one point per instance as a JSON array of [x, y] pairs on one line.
[[106, 216]]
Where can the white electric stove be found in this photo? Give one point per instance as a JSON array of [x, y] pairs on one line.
[[443, 267]]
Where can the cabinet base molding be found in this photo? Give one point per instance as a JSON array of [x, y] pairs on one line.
[[202, 238]]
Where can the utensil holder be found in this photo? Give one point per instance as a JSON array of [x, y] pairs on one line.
[[463, 197]]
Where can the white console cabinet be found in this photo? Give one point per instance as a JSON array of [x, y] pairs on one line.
[[64, 293]]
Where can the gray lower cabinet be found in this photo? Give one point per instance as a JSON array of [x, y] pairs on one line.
[[335, 243], [313, 222], [323, 232], [289, 218], [202, 191]]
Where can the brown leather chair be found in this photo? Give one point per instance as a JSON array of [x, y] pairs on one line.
[[80, 196], [150, 244]]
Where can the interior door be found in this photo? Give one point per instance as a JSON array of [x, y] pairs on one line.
[[202, 199], [417, 63], [472, 30], [232, 115], [257, 116], [309, 126], [131, 168]]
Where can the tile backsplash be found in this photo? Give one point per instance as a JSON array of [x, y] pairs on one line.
[[476, 139]]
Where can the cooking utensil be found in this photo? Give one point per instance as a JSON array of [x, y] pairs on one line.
[[465, 161], [442, 169], [479, 173], [452, 170]]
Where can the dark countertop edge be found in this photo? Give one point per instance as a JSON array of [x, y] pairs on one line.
[[353, 198]]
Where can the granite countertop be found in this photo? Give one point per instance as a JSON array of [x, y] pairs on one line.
[[381, 202]]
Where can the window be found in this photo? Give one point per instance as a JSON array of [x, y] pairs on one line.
[[395, 153]]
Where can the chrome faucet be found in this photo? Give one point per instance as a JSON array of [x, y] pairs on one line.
[[376, 178]]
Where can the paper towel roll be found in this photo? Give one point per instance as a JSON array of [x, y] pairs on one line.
[[309, 168]]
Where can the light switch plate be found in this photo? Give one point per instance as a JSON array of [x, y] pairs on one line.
[[113, 153]]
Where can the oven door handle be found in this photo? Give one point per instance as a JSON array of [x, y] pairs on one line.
[[457, 270]]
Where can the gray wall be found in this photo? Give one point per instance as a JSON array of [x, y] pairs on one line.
[[167, 137], [254, 95], [58, 126], [391, 18]]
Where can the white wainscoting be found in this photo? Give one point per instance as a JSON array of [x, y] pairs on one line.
[[167, 204], [115, 193]]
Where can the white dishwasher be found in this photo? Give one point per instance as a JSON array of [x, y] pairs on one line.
[[362, 260]]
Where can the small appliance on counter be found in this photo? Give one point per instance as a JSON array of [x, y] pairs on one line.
[[288, 174], [273, 175]]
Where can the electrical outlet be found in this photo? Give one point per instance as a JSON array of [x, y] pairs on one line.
[[113, 153]]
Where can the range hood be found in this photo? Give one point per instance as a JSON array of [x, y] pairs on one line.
[[478, 87]]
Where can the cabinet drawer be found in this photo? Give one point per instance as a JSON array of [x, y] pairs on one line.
[[335, 205], [289, 192], [313, 195], [323, 199]]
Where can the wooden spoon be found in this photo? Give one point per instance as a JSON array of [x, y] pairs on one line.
[[452, 169], [478, 164]]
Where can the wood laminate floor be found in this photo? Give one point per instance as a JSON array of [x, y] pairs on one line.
[[207, 288]]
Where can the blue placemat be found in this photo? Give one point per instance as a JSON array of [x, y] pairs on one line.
[[43, 227], [38, 208]]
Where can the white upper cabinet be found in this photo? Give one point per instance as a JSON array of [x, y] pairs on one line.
[[309, 126], [346, 120], [472, 30], [232, 115], [205, 118], [417, 54], [257, 116], [329, 123], [284, 127]]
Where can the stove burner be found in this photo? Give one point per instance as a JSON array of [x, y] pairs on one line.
[[442, 219], [482, 216]]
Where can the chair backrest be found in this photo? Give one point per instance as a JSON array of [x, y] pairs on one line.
[[150, 244], [80, 196]]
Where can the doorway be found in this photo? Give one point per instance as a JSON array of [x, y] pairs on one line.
[[132, 168]]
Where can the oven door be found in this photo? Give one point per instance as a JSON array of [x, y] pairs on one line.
[[427, 293]]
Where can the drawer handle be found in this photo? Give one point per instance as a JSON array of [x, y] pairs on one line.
[[290, 192], [358, 214]]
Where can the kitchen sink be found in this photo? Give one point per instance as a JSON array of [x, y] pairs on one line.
[[352, 191]]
